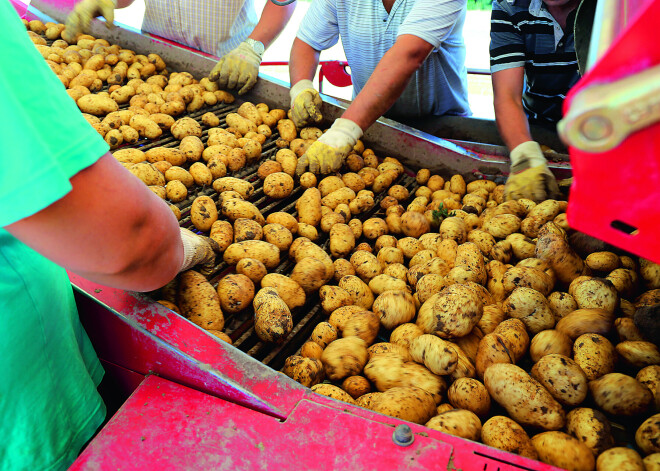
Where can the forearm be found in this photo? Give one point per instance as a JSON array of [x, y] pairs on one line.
[[303, 62], [271, 23], [510, 116], [110, 228], [124, 3], [388, 80]]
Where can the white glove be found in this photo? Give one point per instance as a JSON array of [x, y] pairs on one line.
[[82, 14], [530, 176], [305, 104], [328, 153], [197, 250], [238, 68]]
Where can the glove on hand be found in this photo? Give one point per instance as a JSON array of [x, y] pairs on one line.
[[78, 20], [197, 250], [327, 154], [305, 104], [238, 68], [530, 177]]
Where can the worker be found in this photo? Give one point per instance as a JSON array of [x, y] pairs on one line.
[[407, 59], [533, 64], [227, 29], [67, 204]]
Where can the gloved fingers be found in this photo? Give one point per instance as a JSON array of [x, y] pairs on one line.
[[248, 83], [553, 191], [74, 24], [233, 75], [303, 161], [215, 72], [313, 112], [314, 164], [108, 12], [325, 166], [337, 163]]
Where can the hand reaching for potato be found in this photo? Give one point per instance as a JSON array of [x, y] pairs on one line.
[[197, 250], [328, 153], [238, 68], [305, 104], [530, 176], [82, 14]]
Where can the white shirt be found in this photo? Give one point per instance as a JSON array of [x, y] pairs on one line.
[[367, 32], [212, 26]]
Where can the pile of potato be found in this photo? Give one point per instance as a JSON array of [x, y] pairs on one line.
[[500, 326]]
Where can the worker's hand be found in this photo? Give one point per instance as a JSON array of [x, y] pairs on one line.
[[305, 104], [78, 20], [530, 177], [238, 68], [328, 153], [197, 250]]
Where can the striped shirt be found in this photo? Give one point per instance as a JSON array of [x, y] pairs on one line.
[[524, 34], [212, 26], [367, 32]]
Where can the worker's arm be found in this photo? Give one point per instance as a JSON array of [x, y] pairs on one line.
[[510, 116], [385, 85], [272, 22], [110, 228], [305, 99], [388, 80]]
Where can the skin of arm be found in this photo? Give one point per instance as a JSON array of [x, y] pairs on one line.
[[303, 62], [271, 23], [510, 116], [388, 80], [110, 228]]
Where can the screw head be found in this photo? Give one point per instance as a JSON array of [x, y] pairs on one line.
[[403, 435], [596, 128]]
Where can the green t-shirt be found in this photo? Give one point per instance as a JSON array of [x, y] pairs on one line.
[[49, 405]]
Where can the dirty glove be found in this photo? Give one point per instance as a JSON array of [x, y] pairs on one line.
[[305, 104], [197, 250], [327, 154], [530, 177], [238, 68], [78, 20]]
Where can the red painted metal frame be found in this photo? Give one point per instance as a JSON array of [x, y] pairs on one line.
[[622, 184], [164, 425]]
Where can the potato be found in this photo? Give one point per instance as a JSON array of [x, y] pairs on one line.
[[453, 228], [591, 427], [359, 291], [244, 188], [311, 350], [552, 246], [459, 422], [278, 185], [386, 347], [334, 297], [342, 240], [344, 357], [290, 291], [174, 156], [147, 173], [199, 301], [405, 334], [236, 292], [595, 355], [647, 435], [306, 371], [288, 160], [407, 403], [285, 219], [548, 342], [97, 105], [436, 354], [252, 268], [287, 129], [366, 265], [503, 433], [272, 319], [356, 386], [594, 293], [222, 233], [452, 312], [203, 213], [394, 308], [175, 191], [309, 207], [619, 394], [561, 450], [343, 268], [363, 324], [650, 377], [469, 394], [235, 209], [639, 353], [620, 459], [323, 334], [531, 307], [562, 377], [583, 321], [265, 252], [381, 283], [561, 304], [333, 392], [247, 229], [526, 401]]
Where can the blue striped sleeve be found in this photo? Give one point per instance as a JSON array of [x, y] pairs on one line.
[[507, 47], [433, 20], [319, 28]]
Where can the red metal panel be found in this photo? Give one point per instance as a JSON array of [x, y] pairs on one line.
[[131, 331], [164, 425], [622, 184]]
